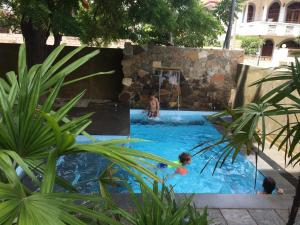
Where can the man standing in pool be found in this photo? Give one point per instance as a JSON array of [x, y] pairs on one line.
[[153, 108]]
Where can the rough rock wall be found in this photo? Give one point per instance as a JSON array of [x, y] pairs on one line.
[[207, 76]]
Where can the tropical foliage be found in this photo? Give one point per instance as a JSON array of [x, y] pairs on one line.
[[33, 135], [222, 10], [250, 122], [177, 22], [156, 207], [251, 45], [99, 22]]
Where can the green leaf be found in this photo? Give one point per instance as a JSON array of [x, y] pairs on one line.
[[22, 66], [49, 61], [87, 77], [68, 69], [61, 113], [50, 173], [5, 85], [8, 210], [55, 127], [89, 213], [60, 63], [6, 165], [48, 104], [21, 163]]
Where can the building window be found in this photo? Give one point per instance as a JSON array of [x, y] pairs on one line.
[[273, 13], [251, 13], [293, 13], [290, 44]]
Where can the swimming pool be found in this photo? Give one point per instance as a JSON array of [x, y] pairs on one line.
[[173, 133]]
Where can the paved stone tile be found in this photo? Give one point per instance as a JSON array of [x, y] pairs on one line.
[[242, 201], [278, 157], [265, 217], [237, 217], [216, 217], [284, 215]]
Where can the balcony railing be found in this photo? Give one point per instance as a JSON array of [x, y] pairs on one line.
[[269, 28]]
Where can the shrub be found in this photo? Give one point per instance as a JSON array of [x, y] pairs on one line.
[[251, 45]]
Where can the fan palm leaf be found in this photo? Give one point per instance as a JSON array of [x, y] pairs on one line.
[[242, 131], [33, 135]]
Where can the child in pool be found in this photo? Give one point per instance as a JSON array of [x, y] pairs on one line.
[[269, 185], [153, 107], [183, 160]]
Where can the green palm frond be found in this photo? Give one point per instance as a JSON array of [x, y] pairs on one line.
[[33, 135], [158, 206], [241, 132]]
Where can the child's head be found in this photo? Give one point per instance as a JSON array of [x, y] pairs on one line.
[[151, 95], [185, 158], [269, 185]]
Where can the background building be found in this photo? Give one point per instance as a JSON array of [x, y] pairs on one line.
[[276, 22], [210, 3]]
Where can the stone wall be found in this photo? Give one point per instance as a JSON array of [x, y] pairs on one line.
[[207, 75]]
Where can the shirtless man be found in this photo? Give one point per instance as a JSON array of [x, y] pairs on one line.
[[153, 108]]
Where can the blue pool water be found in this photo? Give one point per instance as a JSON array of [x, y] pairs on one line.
[[173, 133], [177, 132]]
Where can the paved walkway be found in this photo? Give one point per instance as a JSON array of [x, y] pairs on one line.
[[278, 158], [249, 216], [235, 209]]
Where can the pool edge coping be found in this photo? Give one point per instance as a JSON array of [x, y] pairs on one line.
[[224, 201]]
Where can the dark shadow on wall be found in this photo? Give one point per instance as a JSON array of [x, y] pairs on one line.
[[257, 94], [100, 87], [8, 58], [240, 79], [110, 116], [108, 119]]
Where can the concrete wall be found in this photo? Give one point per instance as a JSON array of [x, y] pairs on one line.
[[207, 75], [8, 37], [245, 93], [106, 87], [111, 117]]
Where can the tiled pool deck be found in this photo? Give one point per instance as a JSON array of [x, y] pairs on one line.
[[237, 209], [249, 216]]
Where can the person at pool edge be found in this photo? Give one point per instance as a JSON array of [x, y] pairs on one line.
[[153, 108], [183, 160], [269, 185]]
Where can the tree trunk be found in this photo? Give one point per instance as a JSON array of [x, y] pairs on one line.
[[296, 204], [57, 39], [35, 42], [226, 44]]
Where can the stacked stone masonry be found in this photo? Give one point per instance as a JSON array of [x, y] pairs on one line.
[[207, 76]]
